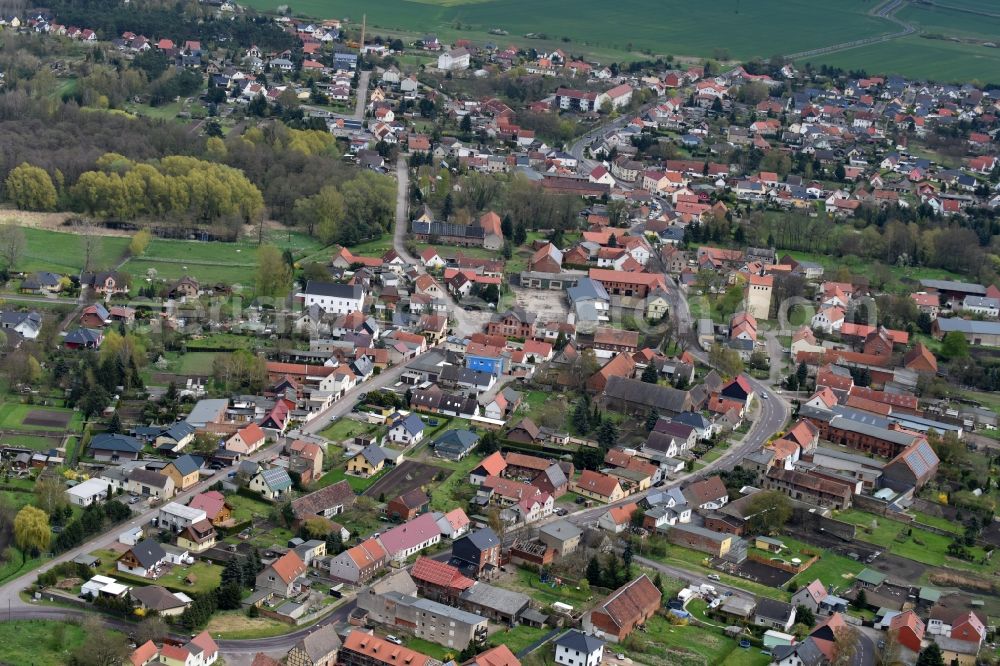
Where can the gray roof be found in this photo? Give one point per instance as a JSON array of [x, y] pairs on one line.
[[373, 454], [639, 392], [206, 410], [456, 614], [320, 643], [561, 529], [178, 431], [460, 375], [148, 552], [186, 464], [587, 289], [115, 442], [980, 302], [949, 285], [496, 598], [334, 289], [773, 609], [579, 642], [148, 477], [456, 440], [156, 597], [411, 424], [807, 651], [482, 539], [277, 479], [968, 326], [894, 436]]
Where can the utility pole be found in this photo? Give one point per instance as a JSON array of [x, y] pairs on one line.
[[361, 44]]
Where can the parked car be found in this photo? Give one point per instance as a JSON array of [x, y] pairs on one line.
[[394, 639]]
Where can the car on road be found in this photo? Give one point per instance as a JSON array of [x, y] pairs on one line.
[[712, 576], [764, 395]]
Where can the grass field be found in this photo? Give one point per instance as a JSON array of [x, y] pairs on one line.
[[245, 508], [912, 543], [12, 417], [520, 637], [193, 363], [39, 642], [61, 252], [663, 643], [235, 625], [346, 428], [210, 262], [914, 56], [745, 29]]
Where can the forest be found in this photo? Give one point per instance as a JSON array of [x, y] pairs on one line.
[[120, 168]]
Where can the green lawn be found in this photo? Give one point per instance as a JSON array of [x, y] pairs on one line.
[[207, 575], [346, 428], [830, 568], [433, 650], [39, 642], [519, 637], [36, 442], [910, 542], [245, 508], [939, 522], [443, 496], [192, 363], [664, 644], [12, 416], [235, 625], [695, 561], [860, 266], [357, 483], [211, 262], [530, 583], [62, 252]]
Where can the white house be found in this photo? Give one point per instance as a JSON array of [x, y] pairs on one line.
[[454, 60], [177, 516], [828, 319], [88, 492], [575, 648], [408, 430], [333, 297]]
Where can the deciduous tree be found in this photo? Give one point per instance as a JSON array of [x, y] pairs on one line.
[[30, 188], [31, 530]]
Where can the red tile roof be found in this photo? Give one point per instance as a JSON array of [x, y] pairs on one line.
[[381, 650], [289, 566], [440, 574]]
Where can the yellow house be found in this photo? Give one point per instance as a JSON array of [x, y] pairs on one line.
[[183, 471], [368, 462], [601, 487], [656, 305], [197, 537]]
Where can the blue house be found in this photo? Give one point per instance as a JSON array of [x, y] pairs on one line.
[[485, 358]]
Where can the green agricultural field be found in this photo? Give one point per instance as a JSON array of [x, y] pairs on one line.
[[16, 416], [744, 29], [943, 19], [39, 642], [914, 56], [61, 252]]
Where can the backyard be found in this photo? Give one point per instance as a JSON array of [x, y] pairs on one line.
[[205, 575], [665, 644], [912, 542]]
